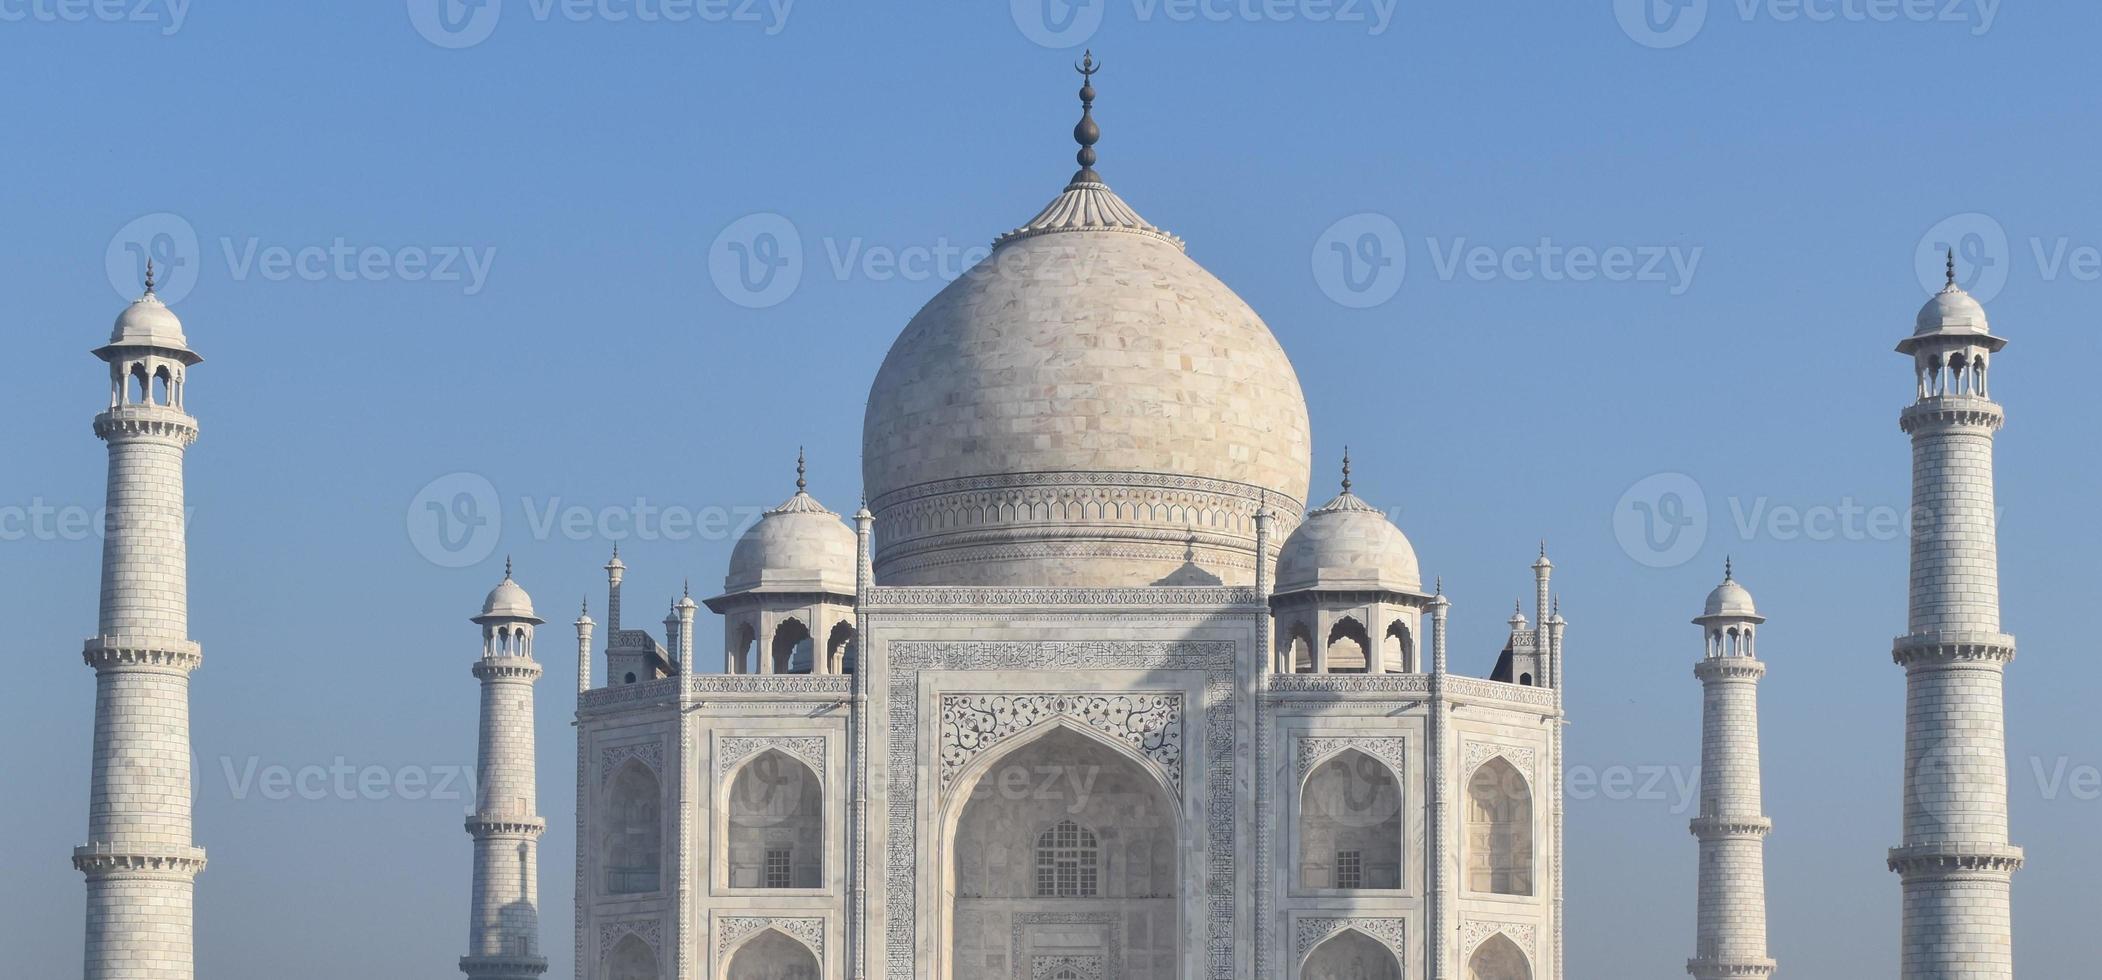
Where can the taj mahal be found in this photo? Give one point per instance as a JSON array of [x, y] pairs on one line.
[[1102, 679]]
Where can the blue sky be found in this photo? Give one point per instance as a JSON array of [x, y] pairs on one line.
[[418, 256]]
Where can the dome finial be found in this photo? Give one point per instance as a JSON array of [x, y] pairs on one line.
[[507, 568], [1726, 568], [1951, 269], [149, 276], [1346, 469], [801, 483], [1085, 132]]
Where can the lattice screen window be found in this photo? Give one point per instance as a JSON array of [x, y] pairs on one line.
[[777, 875], [1350, 869], [1066, 862]]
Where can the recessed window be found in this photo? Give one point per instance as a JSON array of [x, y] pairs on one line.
[[1350, 869], [1066, 862], [777, 868]]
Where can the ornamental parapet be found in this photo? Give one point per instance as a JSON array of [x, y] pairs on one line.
[[1949, 411], [147, 422], [1956, 860], [1729, 669], [504, 825], [141, 653], [1714, 969], [1056, 596], [1712, 828], [507, 669], [116, 861], [477, 967], [1952, 649], [1477, 689], [1370, 686]]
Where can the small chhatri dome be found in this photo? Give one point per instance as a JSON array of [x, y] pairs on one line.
[[1347, 544], [148, 322], [797, 546], [1729, 600], [507, 601], [1951, 313]]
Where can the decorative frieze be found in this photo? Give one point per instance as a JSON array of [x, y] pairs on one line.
[[1314, 930], [967, 596], [611, 757], [1474, 932], [1524, 757], [1149, 724], [1315, 750], [731, 931], [731, 751]]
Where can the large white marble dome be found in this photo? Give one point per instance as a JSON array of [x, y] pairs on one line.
[[1086, 407]]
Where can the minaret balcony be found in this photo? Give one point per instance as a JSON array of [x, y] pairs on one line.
[[1948, 411], [105, 860], [146, 422], [141, 653], [503, 966]]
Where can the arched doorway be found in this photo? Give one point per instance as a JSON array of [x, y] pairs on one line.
[[775, 824], [634, 842], [772, 956], [632, 959], [1351, 955], [1499, 830], [1498, 959], [1350, 824], [1063, 852]]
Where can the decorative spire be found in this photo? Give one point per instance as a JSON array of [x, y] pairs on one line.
[[585, 612], [686, 589], [1951, 270], [1726, 568], [1085, 132], [149, 276], [800, 482], [1440, 588], [1346, 469], [507, 568]]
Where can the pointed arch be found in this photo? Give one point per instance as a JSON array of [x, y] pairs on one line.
[[1349, 647], [1353, 954], [634, 841], [1299, 651], [1499, 830], [1350, 824], [742, 648], [774, 823], [791, 640], [1498, 958], [1398, 648], [771, 954], [839, 648], [632, 959], [989, 853]]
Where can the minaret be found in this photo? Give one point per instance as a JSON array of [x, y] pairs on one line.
[[1730, 938], [1956, 864], [1437, 759], [615, 571], [140, 861], [503, 926], [584, 625], [685, 610]]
